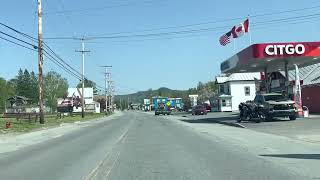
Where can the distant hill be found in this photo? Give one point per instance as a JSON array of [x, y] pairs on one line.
[[163, 91], [204, 90]]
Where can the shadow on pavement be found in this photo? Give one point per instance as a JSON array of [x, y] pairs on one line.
[[229, 120], [296, 156]]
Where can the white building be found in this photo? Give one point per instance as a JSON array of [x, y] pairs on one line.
[[90, 105], [234, 89], [193, 99]]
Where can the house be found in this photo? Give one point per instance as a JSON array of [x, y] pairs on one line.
[[234, 89], [90, 104]]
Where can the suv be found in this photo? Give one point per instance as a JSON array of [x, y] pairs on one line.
[[199, 110], [276, 105]]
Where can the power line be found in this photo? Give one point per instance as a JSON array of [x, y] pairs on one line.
[[17, 39], [51, 55], [52, 59], [192, 31], [98, 8], [19, 32], [62, 59], [212, 22], [19, 44]]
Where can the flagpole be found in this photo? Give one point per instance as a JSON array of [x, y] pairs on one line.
[[250, 37]]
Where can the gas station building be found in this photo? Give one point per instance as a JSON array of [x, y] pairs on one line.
[[278, 64]]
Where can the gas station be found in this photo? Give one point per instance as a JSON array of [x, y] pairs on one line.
[[274, 61]]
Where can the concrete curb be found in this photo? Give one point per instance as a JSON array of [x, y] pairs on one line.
[[238, 125]]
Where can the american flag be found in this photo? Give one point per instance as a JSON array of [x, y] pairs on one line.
[[225, 39]]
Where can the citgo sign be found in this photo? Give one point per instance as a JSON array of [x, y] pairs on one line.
[[287, 49]]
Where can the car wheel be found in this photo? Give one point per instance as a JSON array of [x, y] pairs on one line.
[[268, 118], [258, 120], [292, 117]]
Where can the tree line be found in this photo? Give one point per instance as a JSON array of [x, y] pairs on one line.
[[26, 84], [204, 90]]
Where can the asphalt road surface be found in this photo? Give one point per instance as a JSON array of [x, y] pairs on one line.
[[137, 146]]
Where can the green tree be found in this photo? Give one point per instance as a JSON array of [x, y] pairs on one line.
[[7, 89], [12, 87], [89, 83], [20, 87], [27, 85], [33, 88], [3, 94], [55, 87]]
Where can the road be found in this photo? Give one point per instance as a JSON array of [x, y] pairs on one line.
[[138, 146]]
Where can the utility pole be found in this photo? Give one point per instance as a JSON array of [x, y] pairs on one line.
[[128, 103], [40, 62], [112, 96], [82, 76], [107, 76]]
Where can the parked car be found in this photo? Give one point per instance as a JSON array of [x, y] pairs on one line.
[[199, 110], [276, 105], [207, 106]]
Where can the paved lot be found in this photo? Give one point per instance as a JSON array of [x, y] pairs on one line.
[[142, 146], [303, 128]]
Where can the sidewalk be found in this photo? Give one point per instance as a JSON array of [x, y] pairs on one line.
[[12, 142]]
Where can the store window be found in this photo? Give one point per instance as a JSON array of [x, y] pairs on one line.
[[228, 89], [221, 88], [247, 90], [228, 102], [223, 102]]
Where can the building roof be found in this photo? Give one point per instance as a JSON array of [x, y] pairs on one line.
[[18, 98], [225, 96], [309, 74], [258, 56], [221, 79], [238, 77]]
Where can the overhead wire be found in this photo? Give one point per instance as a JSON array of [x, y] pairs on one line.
[[210, 22], [17, 44], [99, 8], [51, 55], [192, 31]]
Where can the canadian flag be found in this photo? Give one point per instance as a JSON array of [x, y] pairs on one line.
[[240, 29]]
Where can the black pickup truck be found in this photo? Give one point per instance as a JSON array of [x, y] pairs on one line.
[[276, 105]]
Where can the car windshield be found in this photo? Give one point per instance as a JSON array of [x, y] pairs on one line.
[[274, 97]]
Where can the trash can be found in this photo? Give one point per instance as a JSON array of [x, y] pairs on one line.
[[305, 111]]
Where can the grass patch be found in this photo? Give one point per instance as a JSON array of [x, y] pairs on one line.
[[50, 121]]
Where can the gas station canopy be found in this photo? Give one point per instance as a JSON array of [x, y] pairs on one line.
[[272, 57]]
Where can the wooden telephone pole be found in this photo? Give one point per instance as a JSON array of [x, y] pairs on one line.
[[40, 63]]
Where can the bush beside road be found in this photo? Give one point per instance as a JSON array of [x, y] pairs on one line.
[[24, 125], [17, 140]]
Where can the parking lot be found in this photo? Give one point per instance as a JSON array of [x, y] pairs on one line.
[[307, 129]]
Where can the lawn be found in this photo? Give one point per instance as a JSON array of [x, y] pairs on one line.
[[50, 121]]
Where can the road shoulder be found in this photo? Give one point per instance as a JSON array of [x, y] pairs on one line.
[[13, 142]]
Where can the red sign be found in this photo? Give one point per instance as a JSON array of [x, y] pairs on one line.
[[286, 49]]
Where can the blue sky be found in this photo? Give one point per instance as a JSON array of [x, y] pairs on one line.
[[177, 62]]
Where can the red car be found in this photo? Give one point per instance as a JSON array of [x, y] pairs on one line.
[[207, 106], [199, 110]]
